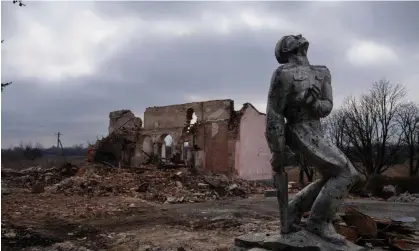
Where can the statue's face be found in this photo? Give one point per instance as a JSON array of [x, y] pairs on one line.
[[288, 44], [302, 43], [298, 37], [304, 48]]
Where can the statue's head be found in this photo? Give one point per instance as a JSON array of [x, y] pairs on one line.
[[289, 45]]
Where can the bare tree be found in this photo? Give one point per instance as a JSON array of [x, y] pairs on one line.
[[31, 152], [21, 4], [305, 169], [417, 152], [408, 120], [3, 85], [371, 127], [334, 129]]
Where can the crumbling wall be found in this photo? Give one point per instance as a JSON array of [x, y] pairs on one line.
[[174, 116], [212, 138], [174, 120], [118, 147], [228, 142], [123, 119], [143, 149], [252, 151]]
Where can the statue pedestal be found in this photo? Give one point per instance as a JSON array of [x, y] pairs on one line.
[[301, 241]]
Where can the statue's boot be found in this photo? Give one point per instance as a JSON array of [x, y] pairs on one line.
[[302, 202], [326, 206], [292, 228], [327, 232]]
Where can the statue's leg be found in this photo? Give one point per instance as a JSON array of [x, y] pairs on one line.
[[328, 202], [335, 168], [303, 201]]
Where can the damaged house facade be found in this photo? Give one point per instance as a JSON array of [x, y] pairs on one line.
[[221, 140]]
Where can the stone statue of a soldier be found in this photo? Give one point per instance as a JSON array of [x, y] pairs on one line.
[[301, 94]]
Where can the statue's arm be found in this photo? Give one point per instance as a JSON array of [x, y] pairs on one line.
[[324, 105], [275, 121]]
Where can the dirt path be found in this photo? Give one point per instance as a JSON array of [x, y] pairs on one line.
[[124, 223]]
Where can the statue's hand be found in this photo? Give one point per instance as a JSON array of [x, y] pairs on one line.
[[302, 96], [310, 99], [312, 95], [315, 91]]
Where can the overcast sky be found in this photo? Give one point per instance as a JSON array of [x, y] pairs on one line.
[[72, 63]]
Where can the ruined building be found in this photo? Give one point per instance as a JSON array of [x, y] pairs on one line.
[[221, 141]]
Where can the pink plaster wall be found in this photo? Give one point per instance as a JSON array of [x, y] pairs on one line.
[[237, 159], [252, 152]]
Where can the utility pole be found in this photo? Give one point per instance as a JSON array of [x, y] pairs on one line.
[[58, 139]]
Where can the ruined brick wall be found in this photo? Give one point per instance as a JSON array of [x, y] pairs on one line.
[[174, 116], [171, 120], [119, 145], [216, 152], [213, 134], [229, 142], [213, 139]]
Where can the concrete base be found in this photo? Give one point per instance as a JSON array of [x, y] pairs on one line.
[[301, 241]]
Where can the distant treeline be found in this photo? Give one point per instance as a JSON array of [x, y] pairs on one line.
[[401, 156], [68, 151], [32, 152]]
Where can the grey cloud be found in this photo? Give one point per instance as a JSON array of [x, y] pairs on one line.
[[185, 10], [159, 71], [394, 22], [155, 10]]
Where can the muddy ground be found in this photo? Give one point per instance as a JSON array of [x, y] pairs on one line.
[[56, 222]]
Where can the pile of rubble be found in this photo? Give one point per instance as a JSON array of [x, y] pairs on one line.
[[170, 186], [38, 176], [150, 183], [405, 197], [387, 234], [112, 147], [393, 234]]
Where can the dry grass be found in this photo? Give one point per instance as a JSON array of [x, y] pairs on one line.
[[294, 174], [44, 162], [395, 171]]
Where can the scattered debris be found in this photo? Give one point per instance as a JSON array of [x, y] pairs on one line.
[[371, 232], [350, 232], [405, 197], [150, 183], [390, 189], [404, 219], [133, 190], [35, 178], [364, 224], [19, 237]]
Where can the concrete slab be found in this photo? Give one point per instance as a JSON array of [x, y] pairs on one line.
[[301, 241]]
